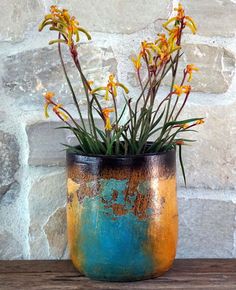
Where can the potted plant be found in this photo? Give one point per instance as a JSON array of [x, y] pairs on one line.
[[122, 207]]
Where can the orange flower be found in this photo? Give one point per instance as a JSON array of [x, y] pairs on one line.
[[179, 90], [200, 121], [161, 40], [149, 50], [145, 47], [48, 98], [145, 52], [187, 89], [111, 88], [189, 70], [185, 126], [179, 142], [54, 9], [180, 12], [106, 114], [174, 34]]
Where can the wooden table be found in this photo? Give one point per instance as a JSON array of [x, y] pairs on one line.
[[186, 274]]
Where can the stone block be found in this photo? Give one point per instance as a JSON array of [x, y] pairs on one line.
[[117, 16], [210, 161], [17, 16], [9, 161], [10, 248], [55, 230], [30, 73], [214, 17], [206, 227], [216, 68], [45, 144], [47, 229]]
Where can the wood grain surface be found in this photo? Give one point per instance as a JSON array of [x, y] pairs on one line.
[[186, 274]]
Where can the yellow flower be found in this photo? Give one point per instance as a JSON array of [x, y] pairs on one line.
[[181, 19], [108, 126], [167, 51], [111, 88], [191, 24], [155, 53], [189, 70], [165, 48], [178, 90], [89, 84], [56, 107], [106, 115], [146, 47], [137, 61], [57, 110], [62, 22]]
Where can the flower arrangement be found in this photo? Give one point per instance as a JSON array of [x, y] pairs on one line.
[[148, 115]]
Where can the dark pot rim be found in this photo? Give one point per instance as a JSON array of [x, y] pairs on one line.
[[113, 160], [119, 156]]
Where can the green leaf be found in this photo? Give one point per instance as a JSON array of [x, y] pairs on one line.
[[73, 149], [122, 113], [181, 163], [181, 122], [101, 134], [158, 119]]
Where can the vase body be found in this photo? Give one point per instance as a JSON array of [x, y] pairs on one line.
[[122, 215]]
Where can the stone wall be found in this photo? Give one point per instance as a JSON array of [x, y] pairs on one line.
[[32, 165]]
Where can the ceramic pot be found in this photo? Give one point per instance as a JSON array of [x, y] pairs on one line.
[[122, 215]]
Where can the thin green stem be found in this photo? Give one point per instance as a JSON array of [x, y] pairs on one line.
[[69, 83]]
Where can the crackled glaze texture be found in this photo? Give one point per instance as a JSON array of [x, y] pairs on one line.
[[122, 215]]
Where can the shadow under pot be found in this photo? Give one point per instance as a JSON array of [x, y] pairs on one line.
[[122, 215]]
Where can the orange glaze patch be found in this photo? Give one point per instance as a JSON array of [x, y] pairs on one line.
[[141, 204], [163, 228], [73, 223], [119, 209]]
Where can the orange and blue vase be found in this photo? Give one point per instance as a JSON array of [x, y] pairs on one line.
[[122, 215]]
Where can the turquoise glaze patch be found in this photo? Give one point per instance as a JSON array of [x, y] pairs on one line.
[[112, 239]]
